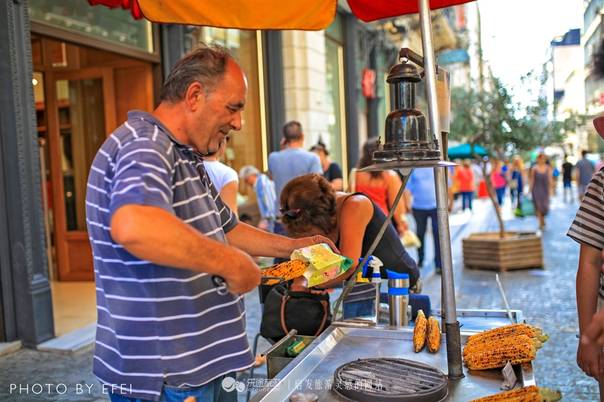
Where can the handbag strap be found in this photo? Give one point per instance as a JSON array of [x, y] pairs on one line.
[[284, 301]]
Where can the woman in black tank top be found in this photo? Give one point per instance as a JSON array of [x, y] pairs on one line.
[[311, 207]]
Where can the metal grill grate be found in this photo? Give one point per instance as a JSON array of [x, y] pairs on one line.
[[384, 379]]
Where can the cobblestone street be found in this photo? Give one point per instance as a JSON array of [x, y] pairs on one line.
[[546, 297]]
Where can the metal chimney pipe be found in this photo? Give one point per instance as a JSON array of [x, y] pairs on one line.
[[448, 289]]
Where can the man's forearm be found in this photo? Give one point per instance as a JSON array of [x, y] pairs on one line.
[[258, 242], [588, 279], [157, 236]]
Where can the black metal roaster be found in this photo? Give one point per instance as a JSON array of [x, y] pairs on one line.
[[388, 379]]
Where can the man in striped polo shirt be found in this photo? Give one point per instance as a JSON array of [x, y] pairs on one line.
[[160, 234], [588, 230]]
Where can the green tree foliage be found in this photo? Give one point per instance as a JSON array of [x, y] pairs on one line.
[[494, 120], [504, 128]]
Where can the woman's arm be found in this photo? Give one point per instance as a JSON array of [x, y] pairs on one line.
[[229, 195], [355, 215], [552, 183]]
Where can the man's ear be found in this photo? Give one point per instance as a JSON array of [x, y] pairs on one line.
[[193, 95]]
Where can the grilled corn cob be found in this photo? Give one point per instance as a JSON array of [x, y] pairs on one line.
[[499, 343], [507, 331], [420, 331], [526, 394], [433, 335], [490, 358], [286, 270]]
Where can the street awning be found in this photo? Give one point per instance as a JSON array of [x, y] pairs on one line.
[[269, 14], [466, 151]]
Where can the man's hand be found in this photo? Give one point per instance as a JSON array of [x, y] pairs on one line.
[[309, 241], [245, 276], [589, 358]]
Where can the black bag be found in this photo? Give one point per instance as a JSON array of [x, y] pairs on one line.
[[284, 310]]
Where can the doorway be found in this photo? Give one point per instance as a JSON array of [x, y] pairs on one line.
[[81, 93], [81, 111]]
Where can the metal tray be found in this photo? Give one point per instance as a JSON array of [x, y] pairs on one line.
[[478, 320], [312, 371]]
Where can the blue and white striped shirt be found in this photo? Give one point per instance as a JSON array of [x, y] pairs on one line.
[[156, 324]]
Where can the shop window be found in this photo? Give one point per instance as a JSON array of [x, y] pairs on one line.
[[109, 25]]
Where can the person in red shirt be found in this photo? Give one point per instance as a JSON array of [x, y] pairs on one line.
[[498, 180], [464, 176]]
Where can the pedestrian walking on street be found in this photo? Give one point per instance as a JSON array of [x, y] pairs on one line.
[[464, 177], [517, 182], [541, 186], [291, 161], [584, 171], [168, 326], [265, 195], [567, 176], [498, 179], [331, 170], [421, 185], [588, 230]]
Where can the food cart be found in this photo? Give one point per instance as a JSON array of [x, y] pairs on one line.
[[384, 351]]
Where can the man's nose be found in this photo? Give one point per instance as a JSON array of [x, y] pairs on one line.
[[237, 121]]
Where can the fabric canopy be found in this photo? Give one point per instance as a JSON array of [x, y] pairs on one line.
[[464, 151], [270, 14]]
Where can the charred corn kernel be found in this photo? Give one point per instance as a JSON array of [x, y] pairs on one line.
[[433, 335], [499, 343], [506, 331], [490, 358], [420, 331], [526, 394], [286, 270]]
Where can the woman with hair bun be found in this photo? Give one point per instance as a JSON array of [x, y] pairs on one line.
[[310, 206]]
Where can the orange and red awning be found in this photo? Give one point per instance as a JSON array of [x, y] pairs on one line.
[[265, 14]]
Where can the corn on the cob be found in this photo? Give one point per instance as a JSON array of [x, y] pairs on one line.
[[433, 335], [490, 358], [286, 270], [506, 331], [527, 394], [499, 343], [420, 331]]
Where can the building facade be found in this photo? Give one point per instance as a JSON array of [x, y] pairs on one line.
[[567, 83], [74, 71]]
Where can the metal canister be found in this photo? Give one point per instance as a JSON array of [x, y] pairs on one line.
[[398, 298]]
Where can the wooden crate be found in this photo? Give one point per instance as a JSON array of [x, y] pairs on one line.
[[517, 250]]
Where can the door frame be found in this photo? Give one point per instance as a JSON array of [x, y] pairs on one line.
[[61, 235]]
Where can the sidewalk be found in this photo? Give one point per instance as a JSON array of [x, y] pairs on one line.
[[546, 296]]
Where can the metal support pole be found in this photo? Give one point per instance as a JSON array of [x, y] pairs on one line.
[[440, 182]]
